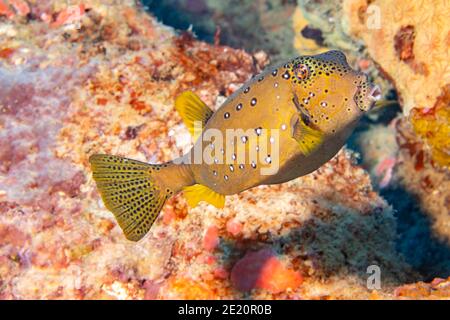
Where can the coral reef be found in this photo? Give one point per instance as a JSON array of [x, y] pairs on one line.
[[437, 289], [307, 40], [294, 228], [101, 76], [409, 43]]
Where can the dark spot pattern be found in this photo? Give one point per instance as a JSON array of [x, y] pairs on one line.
[[307, 68]]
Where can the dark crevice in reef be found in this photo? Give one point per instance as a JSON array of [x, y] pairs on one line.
[[416, 241]]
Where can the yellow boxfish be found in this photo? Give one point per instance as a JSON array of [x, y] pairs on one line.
[[282, 124]]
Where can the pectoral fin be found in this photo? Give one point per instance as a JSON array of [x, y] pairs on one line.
[[192, 109], [198, 192], [307, 137]]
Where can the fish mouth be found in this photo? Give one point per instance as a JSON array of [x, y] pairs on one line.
[[374, 93]]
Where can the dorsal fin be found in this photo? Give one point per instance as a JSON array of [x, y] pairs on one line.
[[198, 192], [191, 109]]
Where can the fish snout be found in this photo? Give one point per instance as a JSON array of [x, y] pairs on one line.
[[366, 94]]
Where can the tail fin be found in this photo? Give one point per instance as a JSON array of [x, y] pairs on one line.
[[135, 191]]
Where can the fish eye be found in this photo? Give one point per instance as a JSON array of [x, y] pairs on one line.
[[301, 71]]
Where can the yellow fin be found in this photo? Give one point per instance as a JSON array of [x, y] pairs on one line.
[[129, 192], [308, 138], [191, 109], [198, 192]]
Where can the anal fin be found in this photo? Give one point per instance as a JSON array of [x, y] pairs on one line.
[[192, 109], [198, 192]]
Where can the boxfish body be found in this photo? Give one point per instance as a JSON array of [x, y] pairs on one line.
[[282, 124]]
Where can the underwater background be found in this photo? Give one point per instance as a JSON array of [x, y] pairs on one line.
[[101, 76]]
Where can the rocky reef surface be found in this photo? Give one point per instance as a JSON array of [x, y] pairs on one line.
[[101, 76]]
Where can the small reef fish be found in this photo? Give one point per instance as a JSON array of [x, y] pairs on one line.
[[282, 124]]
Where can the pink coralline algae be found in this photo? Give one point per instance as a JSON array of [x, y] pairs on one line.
[[19, 7], [11, 236], [211, 239], [61, 90], [69, 15], [5, 10], [234, 227], [263, 270], [26, 143]]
